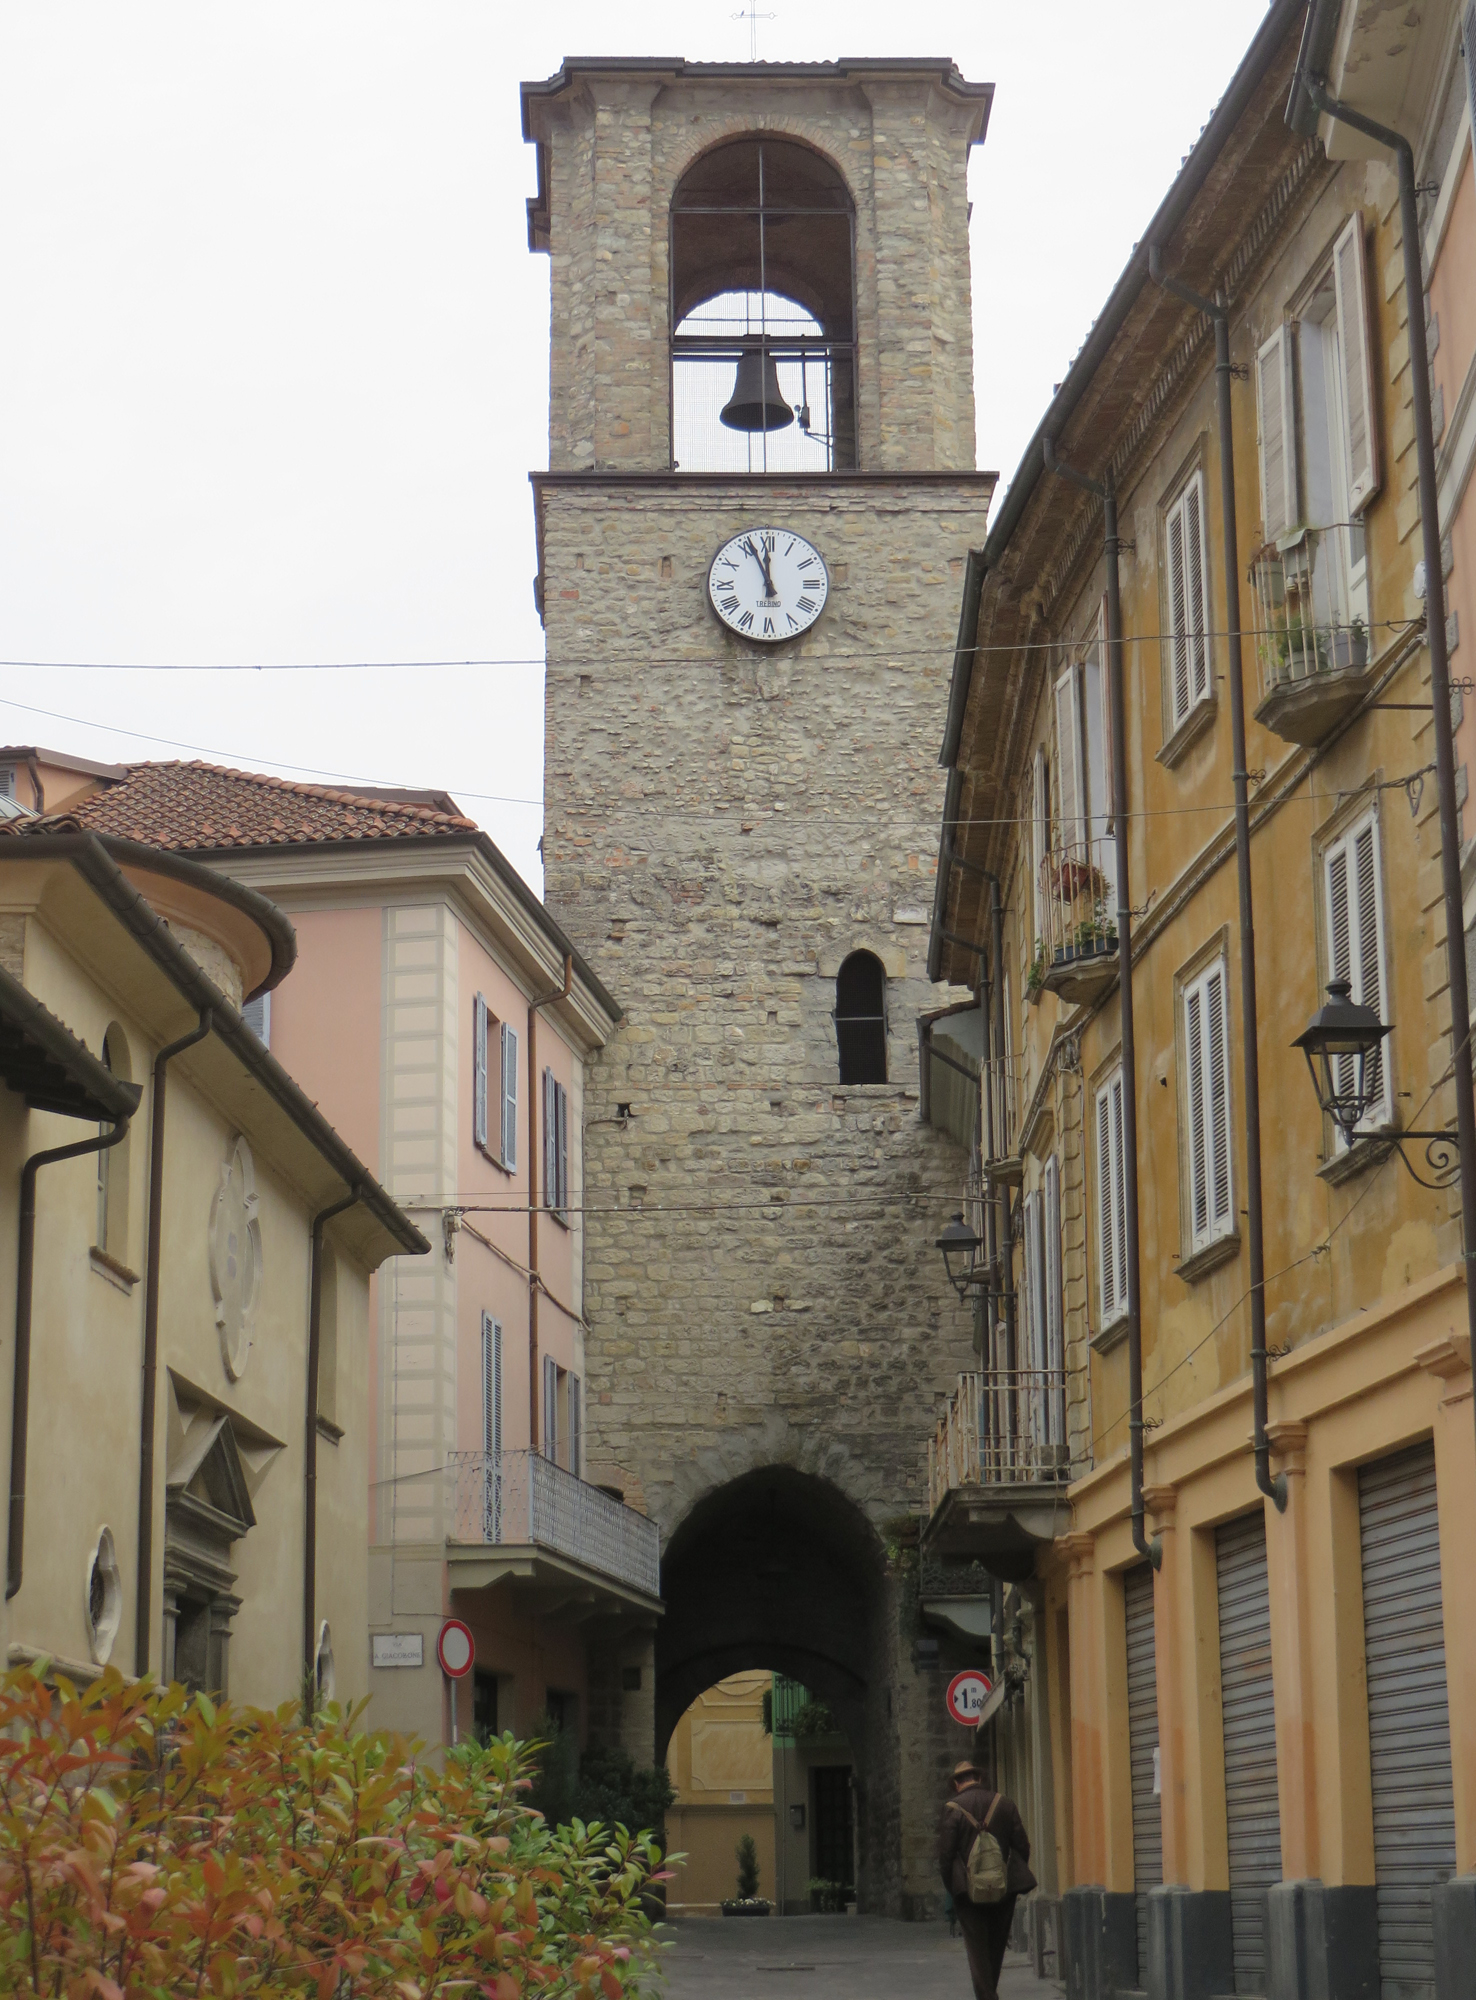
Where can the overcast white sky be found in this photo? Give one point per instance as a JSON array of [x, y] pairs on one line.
[[273, 351]]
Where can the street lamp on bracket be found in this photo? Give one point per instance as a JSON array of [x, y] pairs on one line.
[[1342, 1042], [960, 1247]]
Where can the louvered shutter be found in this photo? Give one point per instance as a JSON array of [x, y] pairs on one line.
[[1055, 1340], [1105, 1230], [1178, 611], [1070, 760], [1468, 44], [1030, 1301], [1198, 1168], [1039, 836], [1217, 1093], [1350, 279], [576, 1425], [509, 1097], [561, 1145], [1278, 435], [550, 1174], [491, 1385], [1197, 587], [1111, 1201], [1355, 949], [550, 1407], [479, 1071], [1098, 738]]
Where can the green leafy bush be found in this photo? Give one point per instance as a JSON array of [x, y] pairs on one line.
[[153, 1845], [603, 1785]]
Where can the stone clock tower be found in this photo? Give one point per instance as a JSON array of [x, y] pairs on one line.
[[751, 543]]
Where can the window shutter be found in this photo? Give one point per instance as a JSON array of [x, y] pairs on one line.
[[1119, 1193], [1198, 1148], [550, 1190], [1217, 1093], [1355, 946], [491, 1386], [1468, 44], [1111, 1201], [1070, 772], [1196, 565], [509, 1096], [1278, 436], [1055, 1320], [1040, 840], [576, 1425], [1350, 278], [1178, 611], [561, 1142], [550, 1407], [479, 1071], [1033, 1314]]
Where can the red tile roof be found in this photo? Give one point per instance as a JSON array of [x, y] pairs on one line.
[[198, 807]]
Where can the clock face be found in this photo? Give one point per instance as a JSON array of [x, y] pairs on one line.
[[768, 584]]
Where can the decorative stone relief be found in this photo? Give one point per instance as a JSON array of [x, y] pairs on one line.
[[102, 1605], [235, 1257]]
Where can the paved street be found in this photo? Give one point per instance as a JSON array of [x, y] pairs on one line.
[[828, 1958]]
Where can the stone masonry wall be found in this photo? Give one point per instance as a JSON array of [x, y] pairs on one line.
[[722, 826], [619, 144]]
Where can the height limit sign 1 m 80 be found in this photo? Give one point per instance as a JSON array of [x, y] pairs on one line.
[[968, 1694]]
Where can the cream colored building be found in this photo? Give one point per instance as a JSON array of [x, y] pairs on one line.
[[183, 1379]]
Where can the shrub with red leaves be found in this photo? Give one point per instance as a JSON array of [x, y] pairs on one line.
[[155, 1845]]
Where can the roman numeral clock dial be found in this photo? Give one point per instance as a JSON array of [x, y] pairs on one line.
[[768, 584]]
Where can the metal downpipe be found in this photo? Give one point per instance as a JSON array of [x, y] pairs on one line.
[[1118, 727], [143, 1600], [310, 1436], [25, 1276], [1274, 1487], [1450, 839]]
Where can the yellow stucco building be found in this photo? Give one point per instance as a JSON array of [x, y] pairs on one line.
[[188, 1245], [1245, 1724]]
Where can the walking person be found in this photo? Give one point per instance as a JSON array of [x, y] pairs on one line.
[[983, 1856]]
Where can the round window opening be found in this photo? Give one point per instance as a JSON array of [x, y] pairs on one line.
[[104, 1603]]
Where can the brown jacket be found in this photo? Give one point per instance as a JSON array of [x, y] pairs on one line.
[[956, 1836]]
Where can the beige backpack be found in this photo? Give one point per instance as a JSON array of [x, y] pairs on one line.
[[985, 1871]]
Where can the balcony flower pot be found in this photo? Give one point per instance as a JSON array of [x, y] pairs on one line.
[[747, 1906]]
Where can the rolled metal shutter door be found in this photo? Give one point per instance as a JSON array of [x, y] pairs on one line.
[[1408, 1714], [1252, 1814], [1142, 1690]]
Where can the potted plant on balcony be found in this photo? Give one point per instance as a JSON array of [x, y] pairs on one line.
[[748, 1902], [1035, 977]]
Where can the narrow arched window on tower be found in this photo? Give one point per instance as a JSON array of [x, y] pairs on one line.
[[861, 1019]]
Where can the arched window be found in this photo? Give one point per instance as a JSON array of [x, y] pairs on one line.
[[763, 348], [861, 1019]]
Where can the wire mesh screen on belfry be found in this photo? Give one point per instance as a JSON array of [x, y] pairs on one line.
[[861, 1019], [763, 354]]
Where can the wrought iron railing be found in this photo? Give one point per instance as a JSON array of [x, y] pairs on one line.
[[1006, 1093], [520, 1497], [1078, 905], [1304, 621], [1003, 1427]]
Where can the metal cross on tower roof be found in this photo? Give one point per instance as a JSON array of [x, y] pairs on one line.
[[751, 14]]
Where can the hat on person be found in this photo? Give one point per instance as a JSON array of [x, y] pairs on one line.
[[966, 1770]]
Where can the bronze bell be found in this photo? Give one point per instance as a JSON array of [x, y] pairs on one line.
[[756, 403]]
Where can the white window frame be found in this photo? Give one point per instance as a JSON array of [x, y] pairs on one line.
[[1186, 568], [1358, 850], [1207, 1105], [1111, 1202], [1276, 435]]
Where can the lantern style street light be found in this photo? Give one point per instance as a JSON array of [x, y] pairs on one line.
[[1342, 1042], [961, 1247]]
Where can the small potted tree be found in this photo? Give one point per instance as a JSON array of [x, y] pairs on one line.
[[748, 1902]]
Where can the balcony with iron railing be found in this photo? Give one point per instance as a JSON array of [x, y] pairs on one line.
[[1076, 953], [999, 1462], [1311, 643], [518, 1513]]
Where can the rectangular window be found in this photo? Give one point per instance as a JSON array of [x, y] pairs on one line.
[[1186, 539], [555, 1145], [1353, 886], [1111, 1201], [480, 1022], [1207, 1107], [1085, 859], [491, 1386], [550, 1407]]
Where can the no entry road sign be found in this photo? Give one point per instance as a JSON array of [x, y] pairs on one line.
[[455, 1649], [967, 1694]]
